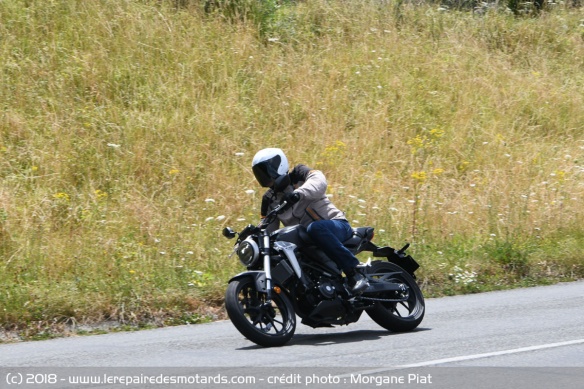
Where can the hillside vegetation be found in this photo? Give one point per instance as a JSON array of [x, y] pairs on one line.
[[127, 130]]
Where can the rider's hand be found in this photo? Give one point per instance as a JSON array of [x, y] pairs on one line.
[[292, 198]]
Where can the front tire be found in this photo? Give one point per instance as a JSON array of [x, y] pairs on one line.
[[266, 324], [400, 316]]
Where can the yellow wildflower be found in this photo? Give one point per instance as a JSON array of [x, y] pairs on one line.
[[436, 133], [61, 196], [560, 175], [419, 176], [336, 150], [100, 195]]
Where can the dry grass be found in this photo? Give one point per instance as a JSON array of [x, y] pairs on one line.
[[127, 130]]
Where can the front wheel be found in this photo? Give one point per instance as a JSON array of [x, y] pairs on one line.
[[397, 316], [267, 324]]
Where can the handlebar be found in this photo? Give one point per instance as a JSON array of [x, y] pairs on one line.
[[272, 215], [250, 229]]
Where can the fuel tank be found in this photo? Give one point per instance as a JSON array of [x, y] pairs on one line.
[[294, 234], [299, 236]]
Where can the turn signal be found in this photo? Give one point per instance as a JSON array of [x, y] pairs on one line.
[[277, 289]]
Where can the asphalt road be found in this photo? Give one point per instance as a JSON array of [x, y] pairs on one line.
[[531, 337]]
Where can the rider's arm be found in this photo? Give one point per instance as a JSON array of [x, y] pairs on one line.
[[314, 186]]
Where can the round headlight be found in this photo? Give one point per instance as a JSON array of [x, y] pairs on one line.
[[248, 253]]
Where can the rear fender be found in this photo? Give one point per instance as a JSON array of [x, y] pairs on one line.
[[404, 261]]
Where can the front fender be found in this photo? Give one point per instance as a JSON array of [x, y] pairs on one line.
[[258, 276]]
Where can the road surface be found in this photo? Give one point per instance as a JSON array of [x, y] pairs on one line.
[[532, 337]]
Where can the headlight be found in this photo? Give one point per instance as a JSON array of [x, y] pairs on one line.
[[248, 253]]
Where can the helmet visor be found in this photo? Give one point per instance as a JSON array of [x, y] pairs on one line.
[[265, 172]]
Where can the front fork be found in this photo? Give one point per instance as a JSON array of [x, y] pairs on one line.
[[265, 249], [265, 252]]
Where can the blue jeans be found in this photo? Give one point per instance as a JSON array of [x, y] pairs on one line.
[[329, 236]]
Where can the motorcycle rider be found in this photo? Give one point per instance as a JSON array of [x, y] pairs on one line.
[[308, 205]]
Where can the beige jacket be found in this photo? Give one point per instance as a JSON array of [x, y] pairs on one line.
[[313, 204]]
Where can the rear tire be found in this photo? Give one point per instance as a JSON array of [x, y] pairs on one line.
[[396, 316], [268, 325]]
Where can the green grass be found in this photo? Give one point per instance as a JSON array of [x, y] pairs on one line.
[[127, 130]]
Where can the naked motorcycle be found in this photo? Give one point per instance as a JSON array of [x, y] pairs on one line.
[[287, 275]]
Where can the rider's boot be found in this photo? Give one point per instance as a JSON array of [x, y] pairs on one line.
[[357, 281]]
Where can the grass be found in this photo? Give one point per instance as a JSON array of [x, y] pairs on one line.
[[127, 129]]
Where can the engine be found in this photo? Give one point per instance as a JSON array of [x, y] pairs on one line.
[[326, 289]]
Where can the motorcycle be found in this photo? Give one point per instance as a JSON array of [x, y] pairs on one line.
[[287, 275]]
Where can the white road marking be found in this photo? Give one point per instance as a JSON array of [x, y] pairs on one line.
[[493, 354], [468, 357]]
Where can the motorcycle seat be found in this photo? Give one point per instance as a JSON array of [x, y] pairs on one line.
[[359, 234]]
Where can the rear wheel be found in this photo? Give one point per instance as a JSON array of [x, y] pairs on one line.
[[267, 324], [397, 316]]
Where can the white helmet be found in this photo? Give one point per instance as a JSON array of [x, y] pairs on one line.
[[269, 164]]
